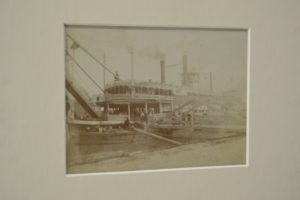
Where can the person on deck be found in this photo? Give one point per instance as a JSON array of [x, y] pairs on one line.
[[127, 123]]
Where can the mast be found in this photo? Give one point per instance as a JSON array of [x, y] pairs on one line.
[[104, 62], [131, 61]]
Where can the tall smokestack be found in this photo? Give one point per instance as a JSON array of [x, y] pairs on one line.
[[184, 70], [210, 82], [162, 71]]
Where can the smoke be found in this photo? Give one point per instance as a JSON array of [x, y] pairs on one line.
[[150, 52]]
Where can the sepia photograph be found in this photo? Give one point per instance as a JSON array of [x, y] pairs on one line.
[[155, 98], [146, 100]]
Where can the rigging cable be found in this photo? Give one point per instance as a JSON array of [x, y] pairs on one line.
[[77, 64], [93, 57], [77, 45]]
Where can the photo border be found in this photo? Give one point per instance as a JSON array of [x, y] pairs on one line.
[[164, 27]]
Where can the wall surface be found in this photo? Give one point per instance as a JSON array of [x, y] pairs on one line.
[[32, 160]]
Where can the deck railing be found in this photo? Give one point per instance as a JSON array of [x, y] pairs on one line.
[[137, 96]]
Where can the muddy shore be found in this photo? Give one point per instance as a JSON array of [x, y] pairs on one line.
[[126, 150]]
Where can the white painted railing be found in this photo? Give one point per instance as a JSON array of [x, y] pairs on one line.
[[136, 96]]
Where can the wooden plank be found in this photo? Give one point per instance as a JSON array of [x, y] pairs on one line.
[[157, 136], [168, 126], [226, 127], [95, 123], [81, 100]]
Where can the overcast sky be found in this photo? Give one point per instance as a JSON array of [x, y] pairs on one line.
[[222, 52]]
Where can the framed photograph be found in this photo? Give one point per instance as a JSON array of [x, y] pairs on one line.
[[155, 98], [149, 100]]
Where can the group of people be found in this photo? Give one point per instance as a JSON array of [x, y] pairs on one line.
[[140, 114]]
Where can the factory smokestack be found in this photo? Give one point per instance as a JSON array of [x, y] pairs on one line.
[[162, 71], [184, 70]]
